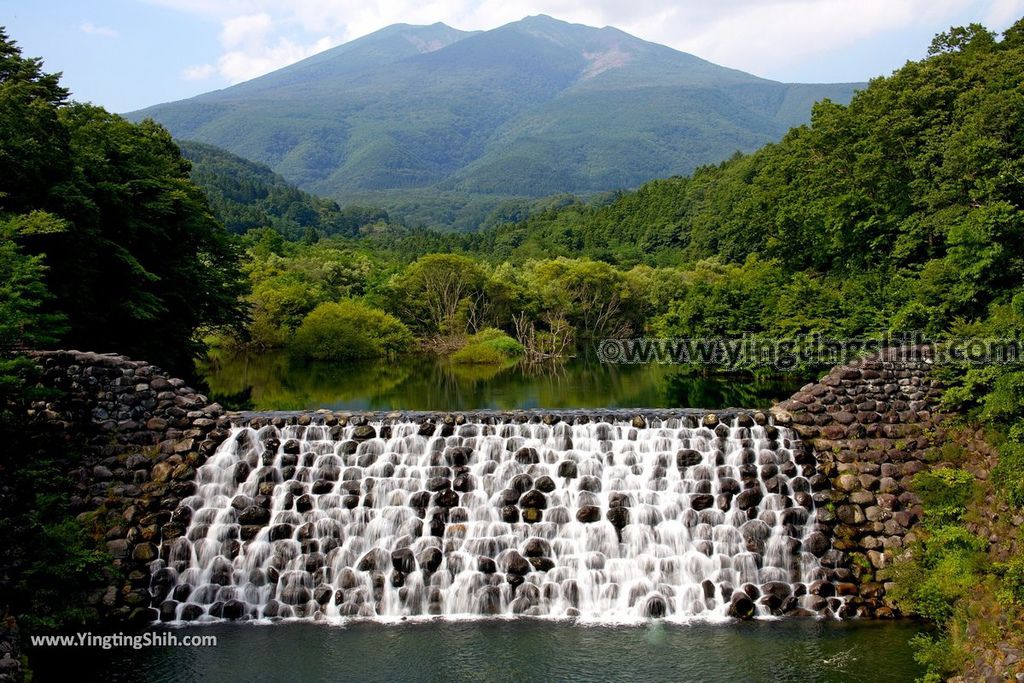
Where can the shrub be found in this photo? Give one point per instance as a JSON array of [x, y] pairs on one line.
[[944, 492], [1008, 474], [1012, 591], [945, 564], [348, 330], [489, 346], [934, 653]]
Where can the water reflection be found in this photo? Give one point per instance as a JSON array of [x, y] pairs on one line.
[[278, 382]]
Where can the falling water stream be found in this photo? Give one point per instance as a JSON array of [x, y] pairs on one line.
[[605, 521]]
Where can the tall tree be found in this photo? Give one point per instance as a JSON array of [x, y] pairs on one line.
[[135, 259]]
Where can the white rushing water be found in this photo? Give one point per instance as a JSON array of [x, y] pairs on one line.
[[601, 521]]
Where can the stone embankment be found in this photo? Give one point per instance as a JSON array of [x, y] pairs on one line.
[[871, 426]]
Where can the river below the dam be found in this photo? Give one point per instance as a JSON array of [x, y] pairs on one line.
[[273, 381], [805, 650]]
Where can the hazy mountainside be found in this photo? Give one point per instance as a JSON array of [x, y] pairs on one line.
[[533, 108], [246, 195]]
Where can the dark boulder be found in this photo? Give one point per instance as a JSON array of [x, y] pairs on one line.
[[617, 499], [403, 560], [816, 543], [512, 562], [191, 612], [295, 595], [823, 589], [521, 483], [749, 498], [168, 610], [533, 499], [741, 606], [527, 456], [446, 499], [567, 469], [537, 547], [542, 564], [458, 456], [322, 594], [532, 515], [545, 484], [254, 515], [619, 517], [701, 501], [375, 559], [688, 458], [463, 483], [430, 559], [234, 610], [435, 484], [655, 607], [363, 433]]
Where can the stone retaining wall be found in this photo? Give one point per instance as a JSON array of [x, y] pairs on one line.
[[140, 435], [871, 426]]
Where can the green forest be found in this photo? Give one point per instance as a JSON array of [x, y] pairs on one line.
[[902, 211]]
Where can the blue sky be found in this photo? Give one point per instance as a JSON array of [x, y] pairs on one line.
[[127, 54]]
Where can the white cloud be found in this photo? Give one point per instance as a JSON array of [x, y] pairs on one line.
[[261, 58], [96, 30], [247, 30], [200, 72], [763, 36], [258, 36], [252, 49]]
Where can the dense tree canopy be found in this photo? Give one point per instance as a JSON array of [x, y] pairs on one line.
[[135, 261]]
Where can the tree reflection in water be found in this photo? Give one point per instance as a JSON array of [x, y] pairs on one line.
[[276, 382]]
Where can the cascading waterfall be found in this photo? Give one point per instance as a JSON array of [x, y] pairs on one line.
[[608, 521]]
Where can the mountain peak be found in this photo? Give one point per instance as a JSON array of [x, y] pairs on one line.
[[534, 107], [543, 19]]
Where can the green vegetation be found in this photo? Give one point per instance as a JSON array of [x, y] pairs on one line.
[[945, 493], [245, 195], [104, 245], [488, 347], [947, 575], [449, 136], [134, 261], [898, 212], [48, 558], [948, 559], [347, 330]]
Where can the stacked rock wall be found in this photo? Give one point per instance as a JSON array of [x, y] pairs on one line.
[[136, 437], [870, 425]]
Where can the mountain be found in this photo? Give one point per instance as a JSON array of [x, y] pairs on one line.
[[532, 108], [245, 195]]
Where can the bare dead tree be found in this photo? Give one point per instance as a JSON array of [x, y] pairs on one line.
[[543, 345]]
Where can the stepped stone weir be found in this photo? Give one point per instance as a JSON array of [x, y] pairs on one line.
[[600, 517]]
